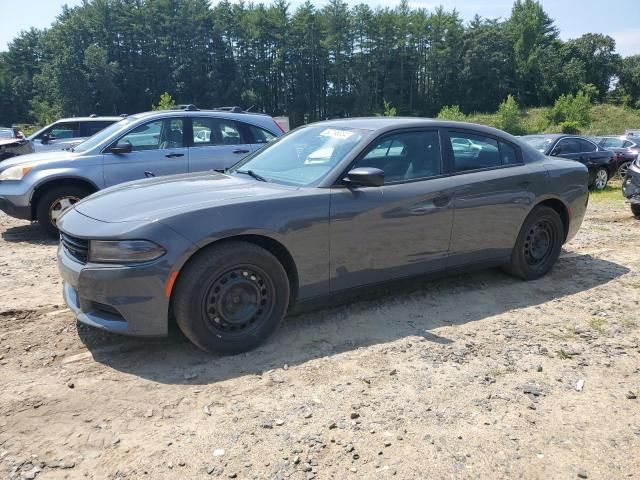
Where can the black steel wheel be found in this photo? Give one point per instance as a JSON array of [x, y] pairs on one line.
[[230, 297], [239, 299], [538, 245]]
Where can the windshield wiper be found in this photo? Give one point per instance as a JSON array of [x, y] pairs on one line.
[[252, 174]]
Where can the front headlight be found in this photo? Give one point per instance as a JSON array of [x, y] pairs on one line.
[[124, 251], [15, 173]]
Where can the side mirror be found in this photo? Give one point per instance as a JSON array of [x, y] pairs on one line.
[[365, 177], [121, 147], [47, 137]]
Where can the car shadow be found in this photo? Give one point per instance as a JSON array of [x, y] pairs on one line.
[[402, 311], [28, 233]]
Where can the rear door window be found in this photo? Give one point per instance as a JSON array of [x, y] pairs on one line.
[[567, 146], [216, 131], [474, 152], [586, 146], [89, 129]]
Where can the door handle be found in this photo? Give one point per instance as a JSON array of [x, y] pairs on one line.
[[149, 174], [524, 183], [442, 201], [173, 155], [241, 150]]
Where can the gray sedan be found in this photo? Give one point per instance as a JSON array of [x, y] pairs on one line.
[[328, 208]]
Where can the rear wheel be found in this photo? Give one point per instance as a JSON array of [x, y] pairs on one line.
[[599, 178], [623, 169], [538, 245], [231, 297], [635, 209], [54, 202]]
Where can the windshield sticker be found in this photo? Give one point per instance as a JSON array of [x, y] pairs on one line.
[[332, 132]]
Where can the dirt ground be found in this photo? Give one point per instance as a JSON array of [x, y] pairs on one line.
[[474, 376]]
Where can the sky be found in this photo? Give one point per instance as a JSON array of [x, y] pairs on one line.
[[618, 18]]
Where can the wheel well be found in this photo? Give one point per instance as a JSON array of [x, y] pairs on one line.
[[42, 189], [562, 210], [277, 250]]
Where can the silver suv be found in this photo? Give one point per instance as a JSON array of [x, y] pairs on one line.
[[40, 186], [68, 132]]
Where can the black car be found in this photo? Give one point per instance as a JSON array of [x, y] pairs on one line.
[[625, 148], [600, 162], [13, 143]]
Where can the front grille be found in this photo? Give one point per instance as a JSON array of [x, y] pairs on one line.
[[78, 248]]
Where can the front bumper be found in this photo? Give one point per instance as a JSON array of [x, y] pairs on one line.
[[13, 210], [631, 185], [122, 299]]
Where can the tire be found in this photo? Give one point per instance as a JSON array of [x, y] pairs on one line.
[[622, 169], [53, 202], [635, 209], [599, 178], [538, 245], [231, 297]]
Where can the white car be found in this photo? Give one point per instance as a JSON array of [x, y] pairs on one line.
[[68, 132]]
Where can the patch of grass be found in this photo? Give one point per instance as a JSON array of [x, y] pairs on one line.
[[610, 193], [563, 355], [632, 284], [629, 323], [565, 336], [498, 372], [600, 228], [598, 324]]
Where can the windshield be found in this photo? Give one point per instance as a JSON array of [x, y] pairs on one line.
[[303, 157], [538, 142], [102, 135]]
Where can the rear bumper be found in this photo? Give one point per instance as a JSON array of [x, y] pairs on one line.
[[122, 299]]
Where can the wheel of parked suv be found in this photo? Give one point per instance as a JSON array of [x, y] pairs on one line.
[[230, 297], [622, 170], [538, 245], [55, 201], [635, 209], [600, 178]]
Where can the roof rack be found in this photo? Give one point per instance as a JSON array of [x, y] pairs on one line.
[[189, 107], [234, 109]]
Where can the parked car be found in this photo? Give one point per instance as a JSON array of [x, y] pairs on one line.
[[600, 162], [326, 209], [68, 132], [42, 185], [13, 143], [626, 150], [631, 187]]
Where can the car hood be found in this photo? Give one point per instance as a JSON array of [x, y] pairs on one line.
[[157, 198], [35, 159]]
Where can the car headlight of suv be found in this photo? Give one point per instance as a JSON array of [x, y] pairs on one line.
[[124, 251], [15, 173]]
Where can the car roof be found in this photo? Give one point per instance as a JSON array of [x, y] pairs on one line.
[[89, 119], [390, 123]]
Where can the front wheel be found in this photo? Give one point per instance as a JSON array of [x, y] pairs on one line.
[[600, 178], [54, 202], [538, 245], [230, 297]]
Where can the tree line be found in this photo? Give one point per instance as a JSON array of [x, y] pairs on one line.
[[310, 63]]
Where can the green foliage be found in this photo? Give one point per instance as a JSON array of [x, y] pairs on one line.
[[389, 110], [44, 113], [572, 109], [451, 113], [166, 102], [307, 62], [508, 117], [569, 126]]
